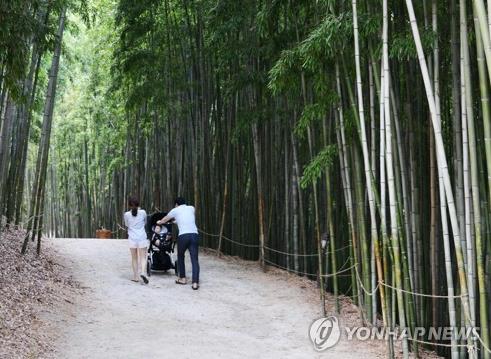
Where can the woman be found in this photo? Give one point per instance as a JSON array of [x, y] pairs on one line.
[[134, 220]]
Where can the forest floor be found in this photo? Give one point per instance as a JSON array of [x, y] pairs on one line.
[[239, 311], [31, 286]]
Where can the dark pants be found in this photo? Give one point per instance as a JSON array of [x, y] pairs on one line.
[[184, 242]]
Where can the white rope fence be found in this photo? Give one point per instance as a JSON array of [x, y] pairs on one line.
[[304, 255], [360, 283], [230, 240], [379, 283], [289, 270], [485, 347], [269, 248], [20, 225], [291, 254], [470, 347], [422, 294], [340, 271]]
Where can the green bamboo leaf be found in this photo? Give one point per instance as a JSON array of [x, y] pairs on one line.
[[318, 165]]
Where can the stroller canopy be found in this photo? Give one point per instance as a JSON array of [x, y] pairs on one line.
[[152, 221]]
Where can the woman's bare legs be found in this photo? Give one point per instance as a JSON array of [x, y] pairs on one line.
[[142, 256], [134, 263]]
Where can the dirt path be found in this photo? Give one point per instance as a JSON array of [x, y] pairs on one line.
[[239, 312]]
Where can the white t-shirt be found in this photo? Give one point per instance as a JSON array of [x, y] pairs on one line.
[[136, 225], [185, 219]]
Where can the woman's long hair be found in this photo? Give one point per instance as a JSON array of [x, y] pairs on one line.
[[133, 203]]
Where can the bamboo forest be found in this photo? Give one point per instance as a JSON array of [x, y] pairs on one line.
[[346, 142]]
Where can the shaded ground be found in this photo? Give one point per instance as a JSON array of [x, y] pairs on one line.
[[239, 312], [29, 285]]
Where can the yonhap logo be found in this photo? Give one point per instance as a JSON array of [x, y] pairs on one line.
[[325, 333]]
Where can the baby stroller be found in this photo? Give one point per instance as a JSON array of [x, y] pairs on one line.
[[161, 245]]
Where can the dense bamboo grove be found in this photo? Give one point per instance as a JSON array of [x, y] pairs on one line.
[[364, 125]]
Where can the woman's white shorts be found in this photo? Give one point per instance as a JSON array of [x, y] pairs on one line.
[[138, 244]]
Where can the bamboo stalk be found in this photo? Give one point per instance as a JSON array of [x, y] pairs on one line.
[[442, 163], [364, 145], [480, 255]]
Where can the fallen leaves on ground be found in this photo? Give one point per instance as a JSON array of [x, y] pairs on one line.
[[29, 284]]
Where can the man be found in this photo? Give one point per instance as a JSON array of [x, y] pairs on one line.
[[188, 238]]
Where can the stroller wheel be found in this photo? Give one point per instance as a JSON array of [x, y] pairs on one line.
[[175, 269]]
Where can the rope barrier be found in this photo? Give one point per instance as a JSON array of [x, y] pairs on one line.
[[360, 282], [269, 248], [338, 272], [371, 293], [338, 249], [291, 254], [303, 255], [289, 270], [358, 277], [21, 224], [422, 294], [470, 347], [208, 234], [311, 274], [230, 240], [345, 262], [482, 343], [32, 217]]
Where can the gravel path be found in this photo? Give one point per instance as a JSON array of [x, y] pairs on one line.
[[239, 311]]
